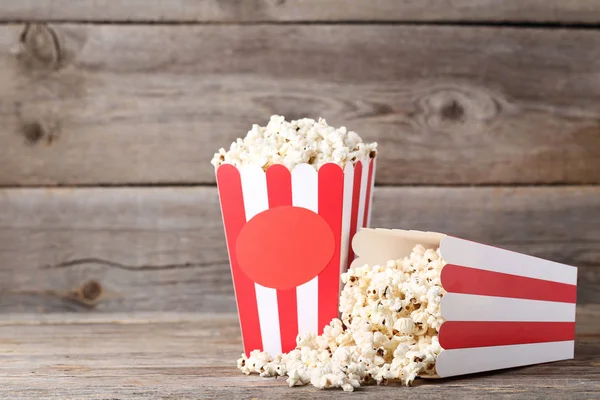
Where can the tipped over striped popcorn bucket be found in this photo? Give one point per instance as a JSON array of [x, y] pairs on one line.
[[288, 236], [502, 309]]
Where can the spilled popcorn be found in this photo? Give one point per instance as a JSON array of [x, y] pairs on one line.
[[295, 142], [388, 331]]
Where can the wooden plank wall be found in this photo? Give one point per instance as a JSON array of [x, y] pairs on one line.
[[487, 114]]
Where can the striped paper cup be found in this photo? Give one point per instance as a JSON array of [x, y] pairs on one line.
[[288, 236], [502, 309]]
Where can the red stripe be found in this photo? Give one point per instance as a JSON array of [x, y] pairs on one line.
[[354, 215], [279, 188], [458, 279], [368, 195], [468, 334], [331, 200], [234, 218]]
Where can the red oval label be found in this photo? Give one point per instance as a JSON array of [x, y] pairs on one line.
[[284, 247]]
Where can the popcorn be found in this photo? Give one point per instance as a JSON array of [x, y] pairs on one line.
[[387, 332], [255, 363], [296, 142], [404, 326]]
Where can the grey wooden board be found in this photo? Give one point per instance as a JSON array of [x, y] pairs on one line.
[[119, 104], [192, 356], [163, 249], [572, 11]]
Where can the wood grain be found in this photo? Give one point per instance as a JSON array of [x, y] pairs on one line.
[[122, 104], [192, 356], [578, 11], [163, 249]]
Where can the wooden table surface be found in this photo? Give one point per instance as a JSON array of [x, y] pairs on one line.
[[192, 356]]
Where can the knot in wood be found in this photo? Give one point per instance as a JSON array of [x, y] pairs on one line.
[[40, 47], [91, 291], [36, 130], [33, 132], [452, 107]]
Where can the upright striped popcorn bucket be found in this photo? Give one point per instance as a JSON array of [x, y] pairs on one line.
[[502, 309], [288, 236]]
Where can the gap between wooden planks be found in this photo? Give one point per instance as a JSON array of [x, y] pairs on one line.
[[163, 249], [89, 104]]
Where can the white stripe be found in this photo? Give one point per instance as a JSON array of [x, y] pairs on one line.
[[305, 187], [307, 297], [475, 255], [305, 193], [364, 181], [254, 190], [372, 193], [256, 200], [346, 217], [268, 315], [479, 359], [470, 307]]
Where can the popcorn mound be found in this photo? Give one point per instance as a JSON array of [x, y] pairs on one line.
[[296, 142], [388, 331]]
